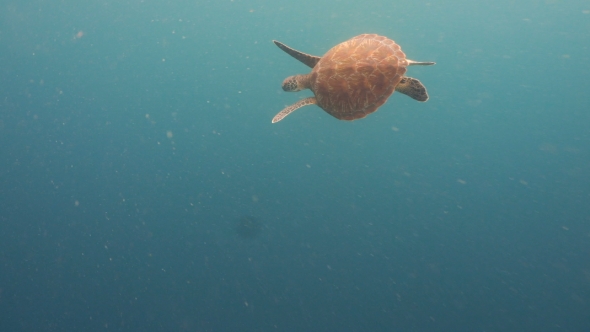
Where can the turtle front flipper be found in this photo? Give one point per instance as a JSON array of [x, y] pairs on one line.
[[290, 109], [413, 88], [307, 59]]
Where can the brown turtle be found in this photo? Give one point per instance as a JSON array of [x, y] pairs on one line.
[[354, 78]]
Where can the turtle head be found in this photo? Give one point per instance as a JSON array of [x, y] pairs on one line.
[[295, 83]]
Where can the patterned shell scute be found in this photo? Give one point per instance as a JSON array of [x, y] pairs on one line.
[[356, 77]]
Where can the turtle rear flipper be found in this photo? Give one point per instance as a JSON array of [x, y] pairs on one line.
[[413, 88], [307, 59]]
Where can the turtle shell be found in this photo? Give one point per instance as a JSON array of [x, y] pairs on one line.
[[354, 78]]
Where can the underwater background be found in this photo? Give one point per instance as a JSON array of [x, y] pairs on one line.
[[144, 188]]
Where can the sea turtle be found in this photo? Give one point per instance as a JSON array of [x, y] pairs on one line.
[[354, 78]]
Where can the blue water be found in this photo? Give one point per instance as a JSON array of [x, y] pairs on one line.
[[144, 188]]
